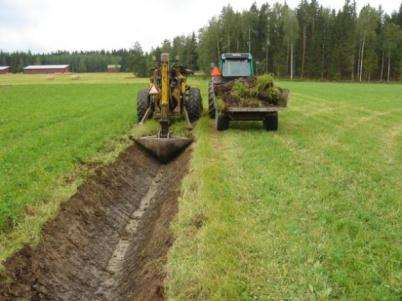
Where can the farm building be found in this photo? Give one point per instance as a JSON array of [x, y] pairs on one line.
[[45, 69], [4, 69], [113, 68]]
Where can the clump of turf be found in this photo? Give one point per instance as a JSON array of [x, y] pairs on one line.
[[257, 91], [240, 89], [264, 82]]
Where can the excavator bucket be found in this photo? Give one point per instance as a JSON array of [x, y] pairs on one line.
[[164, 149]]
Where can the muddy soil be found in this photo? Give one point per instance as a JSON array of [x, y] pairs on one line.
[[109, 241]]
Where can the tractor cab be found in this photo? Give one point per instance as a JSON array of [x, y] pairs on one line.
[[235, 65]]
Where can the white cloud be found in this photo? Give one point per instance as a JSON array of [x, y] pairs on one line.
[[48, 25]]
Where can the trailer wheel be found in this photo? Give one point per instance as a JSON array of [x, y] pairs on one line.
[[222, 122], [271, 122], [142, 103], [193, 104], [211, 101]]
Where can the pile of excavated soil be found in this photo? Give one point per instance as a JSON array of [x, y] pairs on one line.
[[109, 241]]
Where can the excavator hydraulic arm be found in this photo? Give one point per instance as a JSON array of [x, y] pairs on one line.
[[165, 93]]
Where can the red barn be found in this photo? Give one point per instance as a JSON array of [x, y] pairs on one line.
[[46, 69], [4, 69], [113, 68]]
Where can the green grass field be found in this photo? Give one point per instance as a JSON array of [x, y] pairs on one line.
[[81, 78], [309, 212]]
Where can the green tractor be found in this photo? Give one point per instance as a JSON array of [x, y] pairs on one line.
[[234, 66]]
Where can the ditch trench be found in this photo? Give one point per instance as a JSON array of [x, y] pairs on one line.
[[109, 241]]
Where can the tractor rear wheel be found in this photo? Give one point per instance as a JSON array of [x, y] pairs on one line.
[[271, 122], [142, 103], [193, 104], [222, 122]]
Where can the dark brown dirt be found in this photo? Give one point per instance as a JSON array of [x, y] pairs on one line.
[[109, 241]]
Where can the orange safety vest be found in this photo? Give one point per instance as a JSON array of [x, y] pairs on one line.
[[215, 72]]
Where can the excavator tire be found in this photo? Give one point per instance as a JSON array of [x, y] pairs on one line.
[[193, 104], [142, 103], [222, 122]]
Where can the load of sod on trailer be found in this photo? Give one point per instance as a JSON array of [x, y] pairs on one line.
[[238, 95], [251, 92]]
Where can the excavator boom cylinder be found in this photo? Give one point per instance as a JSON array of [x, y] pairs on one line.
[[165, 79]]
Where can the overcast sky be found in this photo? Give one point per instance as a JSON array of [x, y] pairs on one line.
[[48, 25]]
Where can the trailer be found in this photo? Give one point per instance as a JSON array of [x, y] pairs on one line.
[[234, 66]]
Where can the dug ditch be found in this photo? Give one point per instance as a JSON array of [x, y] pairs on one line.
[[109, 241]]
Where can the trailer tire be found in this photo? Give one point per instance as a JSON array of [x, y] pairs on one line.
[[271, 122], [193, 104], [222, 122], [142, 103], [211, 101]]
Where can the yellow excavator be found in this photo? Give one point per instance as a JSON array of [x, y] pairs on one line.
[[168, 97]]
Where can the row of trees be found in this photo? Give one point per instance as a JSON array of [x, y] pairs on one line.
[[182, 49], [310, 41], [84, 61]]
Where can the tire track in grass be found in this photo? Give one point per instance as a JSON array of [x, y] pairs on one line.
[[273, 206], [232, 238], [235, 244], [391, 144], [355, 200], [319, 209], [380, 120], [363, 183], [206, 221], [313, 106]]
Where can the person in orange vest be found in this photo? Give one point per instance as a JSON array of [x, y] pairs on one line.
[[215, 72]]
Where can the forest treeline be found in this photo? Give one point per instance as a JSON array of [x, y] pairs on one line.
[[310, 41]]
